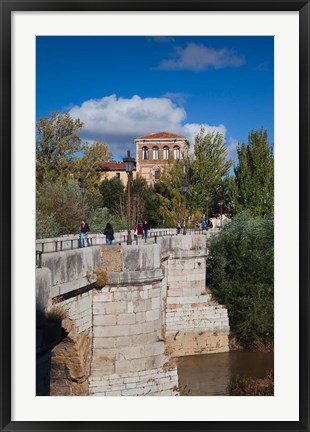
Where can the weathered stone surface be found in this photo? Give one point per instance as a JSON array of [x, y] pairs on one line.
[[111, 258], [43, 286], [104, 320], [154, 382], [129, 318], [191, 343], [71, 364], [71, 265]]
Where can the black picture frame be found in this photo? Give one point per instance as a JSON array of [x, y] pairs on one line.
[[7, 7]]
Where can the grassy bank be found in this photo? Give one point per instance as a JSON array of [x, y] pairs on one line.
[[248, 386]]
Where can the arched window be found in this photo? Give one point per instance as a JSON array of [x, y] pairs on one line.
[[145, 153], [166, 153], [155, 153], [176, 152]]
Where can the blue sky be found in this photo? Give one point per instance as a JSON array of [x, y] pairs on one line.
[[123, 87]]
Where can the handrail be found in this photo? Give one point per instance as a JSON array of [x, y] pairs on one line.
[[73, 241]]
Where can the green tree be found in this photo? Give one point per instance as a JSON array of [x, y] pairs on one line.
[[56, 146], [46, 225], [255, 174], [112, 191], [152, 208], [145, 203], [209, 168], [59, 210], [170, 194], [229, 195], [240, 274], [87, 168], [98, 218], [59, 203]]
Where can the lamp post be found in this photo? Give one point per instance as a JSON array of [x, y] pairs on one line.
[[128, 161], [82, 190], [207, 212], [221, 210], [185, 189]]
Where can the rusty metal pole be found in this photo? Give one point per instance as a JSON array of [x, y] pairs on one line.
[[129, 242]]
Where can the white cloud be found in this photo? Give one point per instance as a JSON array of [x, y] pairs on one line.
[[232, 149], [197, 57], [190, 130], [118, 121]]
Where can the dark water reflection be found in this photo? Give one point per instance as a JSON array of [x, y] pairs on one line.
[[209, 375]]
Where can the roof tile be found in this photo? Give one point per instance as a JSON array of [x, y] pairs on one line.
[[158, 135]]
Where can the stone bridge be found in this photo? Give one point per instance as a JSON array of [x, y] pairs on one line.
[[130, 312]]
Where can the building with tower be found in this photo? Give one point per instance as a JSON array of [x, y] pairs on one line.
[[153, 152]]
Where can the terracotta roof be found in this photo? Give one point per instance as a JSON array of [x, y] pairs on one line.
[[158, 135], [114, 166]]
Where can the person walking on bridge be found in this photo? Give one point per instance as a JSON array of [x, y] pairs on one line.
[[109, 233], [84, 234], [139, 230], [146, 228], [179, 227]]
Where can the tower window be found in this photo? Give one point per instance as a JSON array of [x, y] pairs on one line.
[[145, 153], [176, 152], [166, 153], [155, 153]]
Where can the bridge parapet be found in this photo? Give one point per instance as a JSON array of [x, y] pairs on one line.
[[71, 241], [71, 270]]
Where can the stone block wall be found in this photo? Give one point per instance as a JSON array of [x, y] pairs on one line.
[[152, 382], [128, 347], [72, 357], [128, 332], [79, 309], [186, 274], [194, 323]]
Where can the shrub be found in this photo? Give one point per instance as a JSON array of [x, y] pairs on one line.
[[248, 386], [102, 278], [56, 313], [240, 275]]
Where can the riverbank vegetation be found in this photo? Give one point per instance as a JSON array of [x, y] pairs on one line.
[[248, 386], [240, 271]]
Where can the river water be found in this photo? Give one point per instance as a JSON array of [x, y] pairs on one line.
[[209, 375]]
